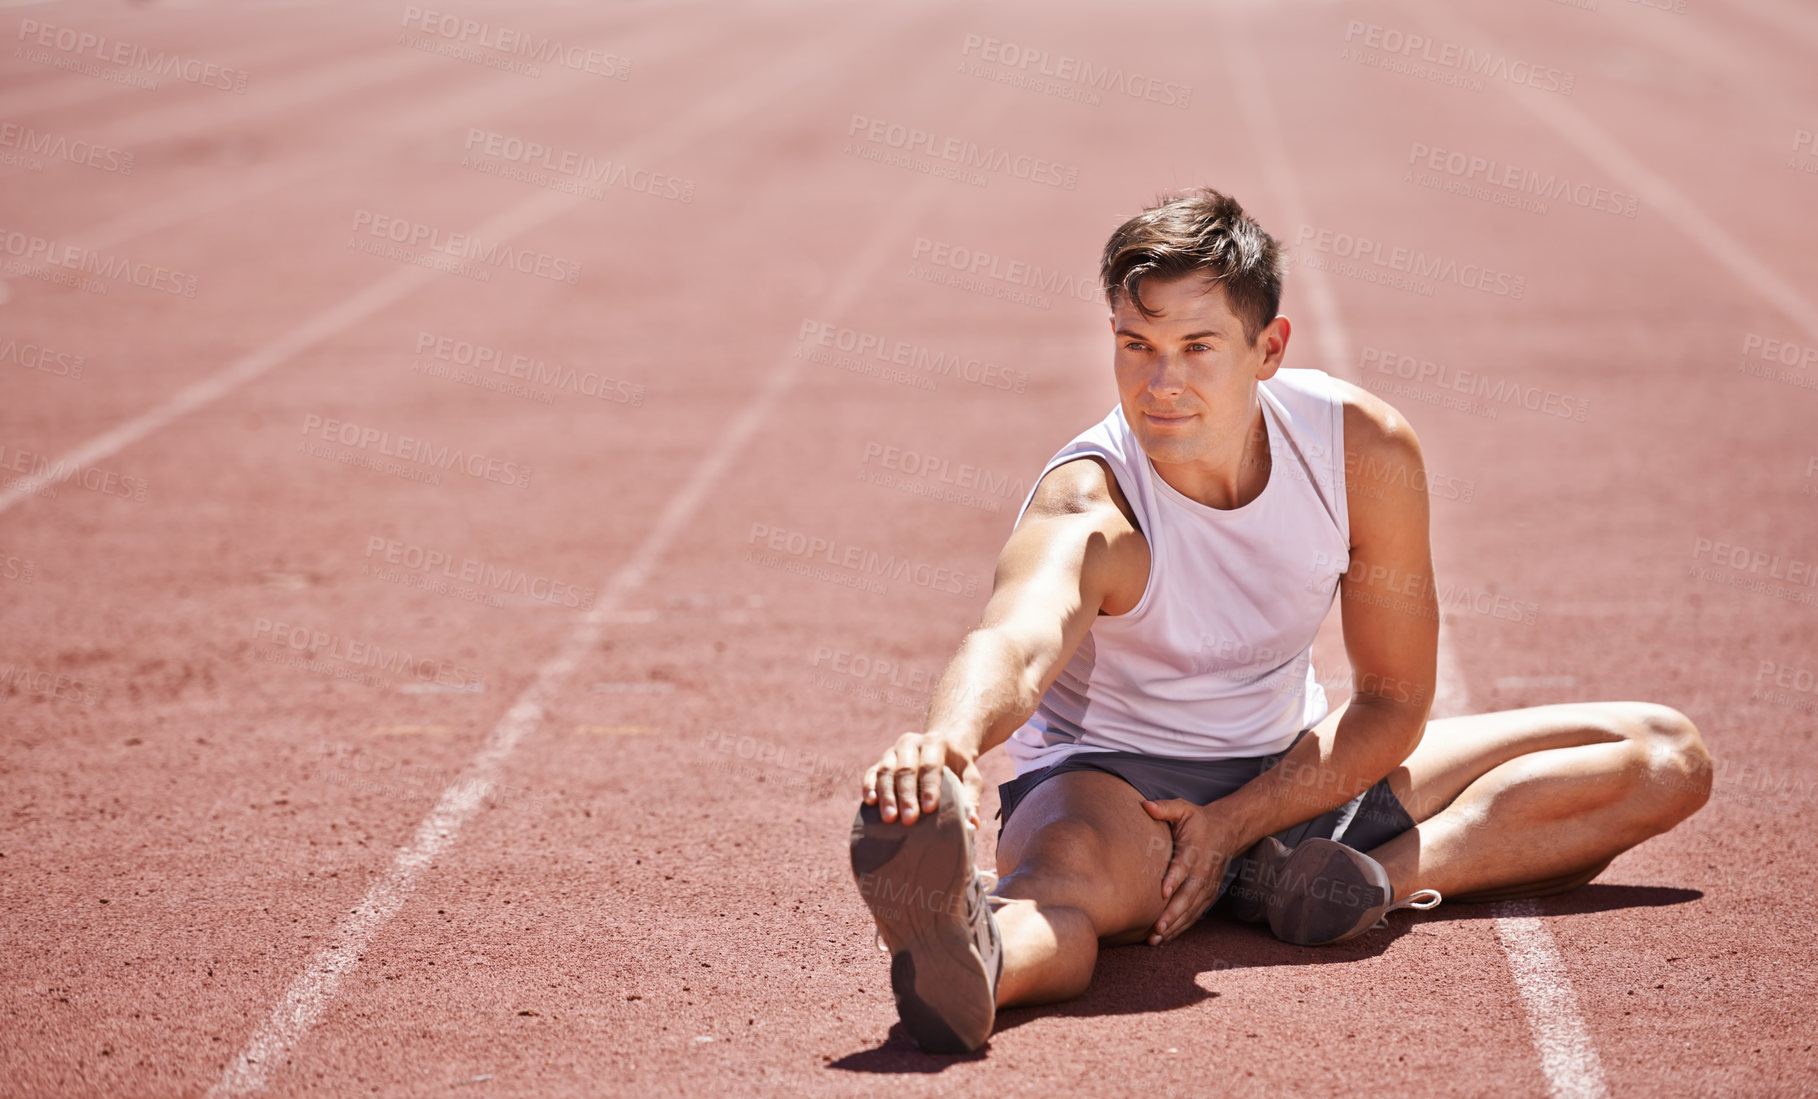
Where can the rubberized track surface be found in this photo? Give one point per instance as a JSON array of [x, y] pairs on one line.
[[505, 742]]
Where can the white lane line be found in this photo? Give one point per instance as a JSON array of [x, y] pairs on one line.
[[164, 122], [1568, 1060], [390, 64], [1659, 196], [308, 996], [1792, 18], [1252, 88], [466, 106], [526, 215]]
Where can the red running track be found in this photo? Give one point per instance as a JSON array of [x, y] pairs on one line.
[[402, 696]]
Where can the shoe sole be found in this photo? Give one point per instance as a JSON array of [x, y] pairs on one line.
[[914, 880], [1251, 892], [1327, 893]]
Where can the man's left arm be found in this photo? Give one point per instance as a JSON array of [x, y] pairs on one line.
[[1391, 632]]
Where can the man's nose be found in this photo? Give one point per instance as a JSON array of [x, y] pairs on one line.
[[1168, 376]]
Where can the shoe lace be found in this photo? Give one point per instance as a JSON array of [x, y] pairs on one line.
[[981, 903], [1421, 899]]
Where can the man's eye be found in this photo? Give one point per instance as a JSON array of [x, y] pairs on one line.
[[1199, 347]]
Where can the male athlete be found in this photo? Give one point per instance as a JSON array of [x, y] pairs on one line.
[[1145, 659]]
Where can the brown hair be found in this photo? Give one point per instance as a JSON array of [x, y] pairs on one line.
[[1197, 230]]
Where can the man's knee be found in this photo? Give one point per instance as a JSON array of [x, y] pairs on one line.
[[1672, 768], [1069, 863]]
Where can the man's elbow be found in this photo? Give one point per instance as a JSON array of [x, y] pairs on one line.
[[1402, 710]]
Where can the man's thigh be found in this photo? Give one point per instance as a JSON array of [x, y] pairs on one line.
[[1083, 840], [1456, 751]]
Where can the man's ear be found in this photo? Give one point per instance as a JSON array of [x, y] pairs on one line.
[[1272, 341]]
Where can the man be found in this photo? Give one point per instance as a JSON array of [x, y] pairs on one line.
[[1145, 659]]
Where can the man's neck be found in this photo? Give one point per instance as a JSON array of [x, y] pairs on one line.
[[1227, 481]]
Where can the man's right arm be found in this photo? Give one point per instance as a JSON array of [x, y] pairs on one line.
[[1074, 553]]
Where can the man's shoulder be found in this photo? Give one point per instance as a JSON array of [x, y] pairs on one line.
[[1082, 485], [1079, 510], [1385, 473], [1377, 435]]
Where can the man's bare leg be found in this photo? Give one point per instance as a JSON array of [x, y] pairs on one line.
[[1080, 861], [1534, 801]]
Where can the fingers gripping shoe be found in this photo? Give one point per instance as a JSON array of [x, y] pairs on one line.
[[1326, 892], [930, 906]]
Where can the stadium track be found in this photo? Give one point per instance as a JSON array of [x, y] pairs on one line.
[[641, 885]]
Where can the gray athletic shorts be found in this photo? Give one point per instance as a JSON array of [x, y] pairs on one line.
[[1368, 820]]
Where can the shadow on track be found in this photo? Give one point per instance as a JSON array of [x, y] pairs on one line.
[[900, 1056], [1135, 979], [1595, 897]]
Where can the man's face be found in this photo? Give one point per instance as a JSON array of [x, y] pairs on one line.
[[1186, 376]]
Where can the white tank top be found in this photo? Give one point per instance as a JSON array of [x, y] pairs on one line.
[[1215, 661]]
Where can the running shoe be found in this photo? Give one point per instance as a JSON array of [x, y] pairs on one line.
[[933, 918], [1325, 892]]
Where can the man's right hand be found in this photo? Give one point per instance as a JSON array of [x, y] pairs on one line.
[[906, 782]]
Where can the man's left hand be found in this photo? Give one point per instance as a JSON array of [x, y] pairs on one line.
[[1204, 843]]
